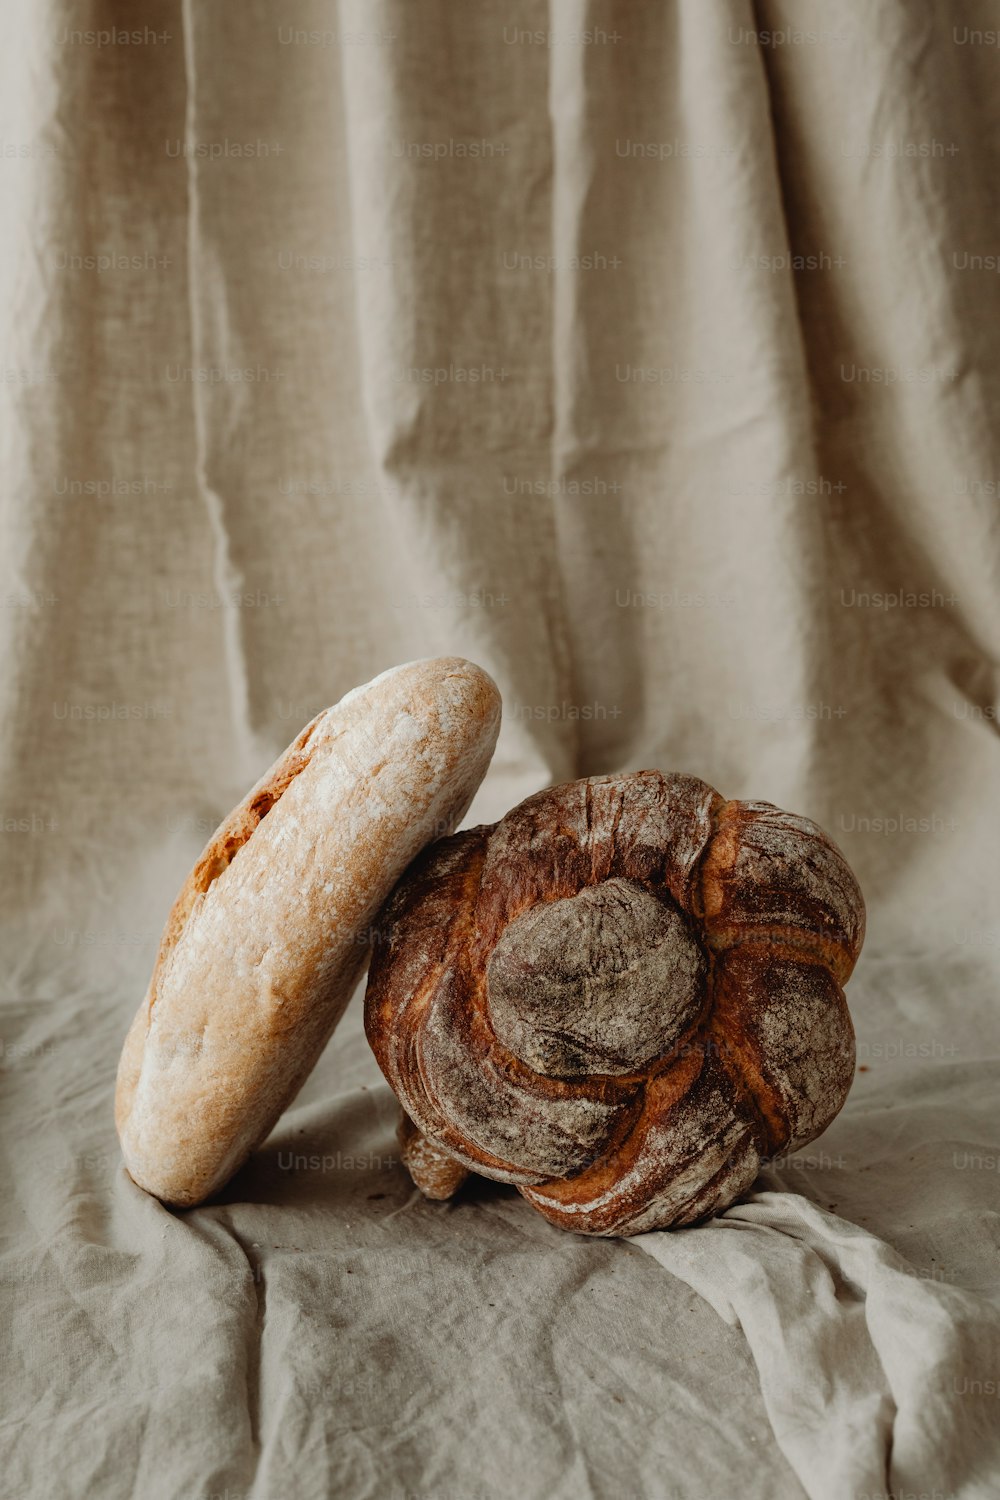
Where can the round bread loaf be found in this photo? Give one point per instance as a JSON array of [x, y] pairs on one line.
[[271, 931], [622, 998]]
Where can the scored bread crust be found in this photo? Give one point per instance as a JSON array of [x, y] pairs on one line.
[[762, 1055], [272, 929]]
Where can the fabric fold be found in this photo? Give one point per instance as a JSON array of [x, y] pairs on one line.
[[876, 1382]]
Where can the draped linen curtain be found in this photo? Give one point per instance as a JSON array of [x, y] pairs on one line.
[[646, 354]]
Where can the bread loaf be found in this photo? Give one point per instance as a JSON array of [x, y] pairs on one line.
[[270, 933], [622, 998]]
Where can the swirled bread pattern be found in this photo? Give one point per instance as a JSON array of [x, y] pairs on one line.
[[621, 998]]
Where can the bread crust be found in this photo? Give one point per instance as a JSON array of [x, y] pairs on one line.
[[272, 929], [756, 1046]]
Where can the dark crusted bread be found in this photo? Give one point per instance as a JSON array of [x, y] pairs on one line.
[[622, 998]]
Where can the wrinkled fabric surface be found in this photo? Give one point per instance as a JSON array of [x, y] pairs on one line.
[[646, 354]]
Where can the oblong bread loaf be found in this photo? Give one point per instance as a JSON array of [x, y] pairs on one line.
[[271, 931]]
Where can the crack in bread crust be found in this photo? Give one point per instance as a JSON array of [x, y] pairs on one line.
[[232, 835]]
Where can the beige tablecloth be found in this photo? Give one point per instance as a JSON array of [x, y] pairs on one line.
[[647, 355]]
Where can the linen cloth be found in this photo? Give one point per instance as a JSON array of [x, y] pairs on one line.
[[645, 354]]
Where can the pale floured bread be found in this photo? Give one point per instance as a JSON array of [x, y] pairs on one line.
[[621, 998], [271, 932]]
